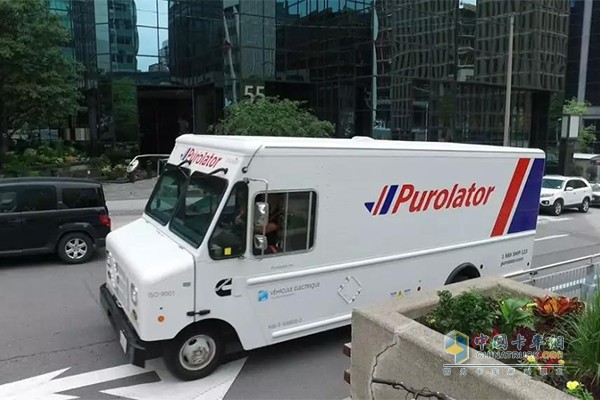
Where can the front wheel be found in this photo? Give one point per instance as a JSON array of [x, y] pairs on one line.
[[557, 208], [585, 205], [194, 353]]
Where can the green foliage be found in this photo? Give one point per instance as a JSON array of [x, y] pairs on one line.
[[575, 107], [38, 83], [469, 313], [124, 94], [586, 140], [274, 117], [581, 333], [118, 171], [514, 314]]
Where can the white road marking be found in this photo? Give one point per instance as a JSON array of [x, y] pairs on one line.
[[212, 387], [544, 219], [45, 387], [551, 237]]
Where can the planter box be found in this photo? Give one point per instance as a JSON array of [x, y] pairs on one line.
[[387, 343]]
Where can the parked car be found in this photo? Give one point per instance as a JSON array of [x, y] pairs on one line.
[[68, 217], [595, 194], [560, 192]]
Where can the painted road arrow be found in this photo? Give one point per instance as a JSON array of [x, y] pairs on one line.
[[45, 387], [212, 387], [48, 387]]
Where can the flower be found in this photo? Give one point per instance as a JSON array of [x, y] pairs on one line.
[[573, 385], [561, 362], [531, 359]]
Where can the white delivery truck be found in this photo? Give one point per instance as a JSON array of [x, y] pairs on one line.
[[262, 239]]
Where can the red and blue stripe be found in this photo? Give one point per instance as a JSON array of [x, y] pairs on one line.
[[524, 217]]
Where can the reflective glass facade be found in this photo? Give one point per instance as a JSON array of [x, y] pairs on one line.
[[402, 69]]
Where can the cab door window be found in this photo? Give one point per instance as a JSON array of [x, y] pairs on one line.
[[291, 226], [229, 236]]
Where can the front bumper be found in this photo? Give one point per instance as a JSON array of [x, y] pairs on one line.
[[136, 349], [595, 200], [546, 202]]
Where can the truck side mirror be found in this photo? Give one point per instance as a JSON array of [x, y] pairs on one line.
[[260, 242], [261, 214], [569, 189]]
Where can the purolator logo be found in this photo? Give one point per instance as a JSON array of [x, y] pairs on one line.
[[203, 158], [424, 200]]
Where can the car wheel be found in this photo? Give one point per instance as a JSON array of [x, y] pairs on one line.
[[585, 205], [557, 208], [75, 248], [194, 353]]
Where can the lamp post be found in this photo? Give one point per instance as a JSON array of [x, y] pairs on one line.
[[568, 139]]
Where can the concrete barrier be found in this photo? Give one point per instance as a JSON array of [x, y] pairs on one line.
[[387, 343]]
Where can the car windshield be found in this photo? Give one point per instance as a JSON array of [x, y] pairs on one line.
[[197, 208], [552, 183]]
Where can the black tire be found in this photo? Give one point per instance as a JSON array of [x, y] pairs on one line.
[[75, 248], [585, 205], [557, 208], [189, 337]]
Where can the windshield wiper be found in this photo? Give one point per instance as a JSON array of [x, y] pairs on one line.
[[224, 170], [181, 169]]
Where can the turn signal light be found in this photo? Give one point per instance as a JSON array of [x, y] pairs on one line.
[[161, 318]]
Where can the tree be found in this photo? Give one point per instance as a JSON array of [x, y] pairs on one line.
[[586, 139], [271, 116], [38, 83]]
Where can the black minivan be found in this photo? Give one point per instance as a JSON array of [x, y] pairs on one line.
[[53, 215]]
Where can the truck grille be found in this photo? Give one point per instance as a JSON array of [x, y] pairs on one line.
[[122, 287]]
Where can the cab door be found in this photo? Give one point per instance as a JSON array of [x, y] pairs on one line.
[[11, 230]]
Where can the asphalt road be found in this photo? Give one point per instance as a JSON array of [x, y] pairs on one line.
[[51, 320]]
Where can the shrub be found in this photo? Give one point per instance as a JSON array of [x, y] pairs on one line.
[[582, 335], [468, 313]]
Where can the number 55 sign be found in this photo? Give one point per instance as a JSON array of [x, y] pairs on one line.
[[254, 91]]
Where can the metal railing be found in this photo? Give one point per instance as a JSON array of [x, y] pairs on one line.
[[571, 278]]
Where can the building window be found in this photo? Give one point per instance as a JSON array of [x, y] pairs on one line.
[[291, 226]]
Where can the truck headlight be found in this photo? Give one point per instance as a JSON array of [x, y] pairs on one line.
[[134, 294]]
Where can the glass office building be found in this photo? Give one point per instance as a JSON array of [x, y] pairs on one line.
[[401, 69]]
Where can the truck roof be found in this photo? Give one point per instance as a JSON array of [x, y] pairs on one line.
[[250, 144]]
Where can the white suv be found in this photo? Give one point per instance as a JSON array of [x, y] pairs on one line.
[[560, 192]]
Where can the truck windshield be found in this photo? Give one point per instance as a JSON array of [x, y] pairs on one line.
[[198, 206], [163, 200]]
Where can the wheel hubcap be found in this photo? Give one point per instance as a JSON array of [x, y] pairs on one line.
[[76, 249], [197, 352], [586, 205], [558, 208]]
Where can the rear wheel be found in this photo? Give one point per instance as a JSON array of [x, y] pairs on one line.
[[557, 208], [194, 353], [75, 248], [585, 205]]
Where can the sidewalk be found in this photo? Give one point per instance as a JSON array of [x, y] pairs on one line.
[[128, 198]]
